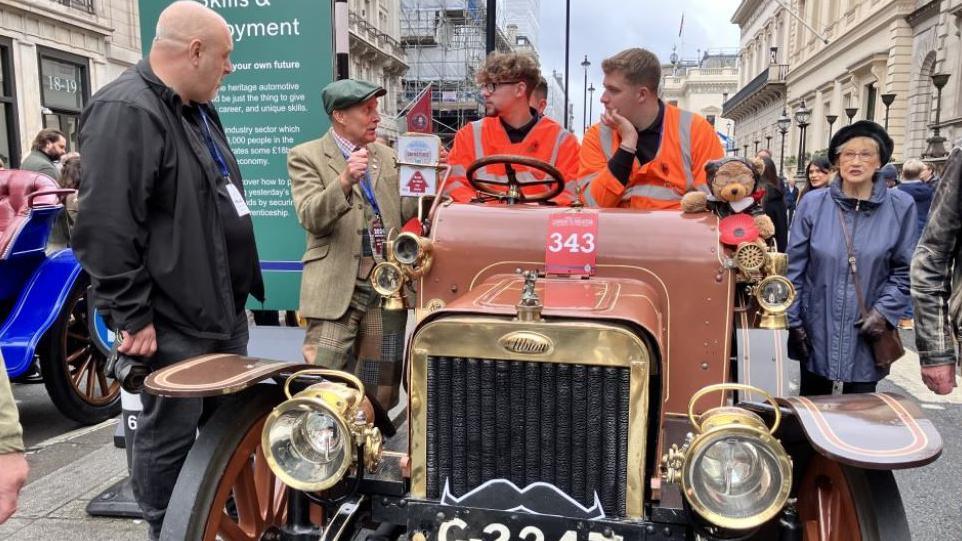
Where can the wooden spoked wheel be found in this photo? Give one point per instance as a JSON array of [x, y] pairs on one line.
[[226, 491], [837, 502]]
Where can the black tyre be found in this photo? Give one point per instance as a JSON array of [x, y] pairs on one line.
[[73, 368]]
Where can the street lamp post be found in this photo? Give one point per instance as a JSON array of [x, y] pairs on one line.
[[768, 142], [584, 108], [745, 152], [591, 102], [784, 123], [831, 120], [802, 116], [850, 112], [936, 147], [756, 146], [887, 100]]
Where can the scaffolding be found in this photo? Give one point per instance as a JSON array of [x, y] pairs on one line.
[[444, 41]]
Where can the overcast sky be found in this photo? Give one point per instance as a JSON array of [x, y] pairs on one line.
[[600, 28]]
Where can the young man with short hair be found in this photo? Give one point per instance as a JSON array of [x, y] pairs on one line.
[[644, 153], [539, 97], [512, 126]]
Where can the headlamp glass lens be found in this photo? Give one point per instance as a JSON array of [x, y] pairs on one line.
[[308, 445], [736, 477], [387, 279]]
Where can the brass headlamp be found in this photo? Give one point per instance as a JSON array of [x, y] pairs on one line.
[[733, 472], [409, 257], [414, 253], [775, 294], [315, 437]]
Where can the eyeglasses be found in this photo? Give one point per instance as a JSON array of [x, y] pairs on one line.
[[491, 87], [864, 156]]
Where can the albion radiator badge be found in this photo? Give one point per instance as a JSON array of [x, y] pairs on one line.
[[537, 498]]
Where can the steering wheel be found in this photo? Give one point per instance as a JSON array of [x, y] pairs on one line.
[[513, 192]]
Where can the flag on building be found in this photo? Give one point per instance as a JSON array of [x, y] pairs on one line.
[[419, 116]]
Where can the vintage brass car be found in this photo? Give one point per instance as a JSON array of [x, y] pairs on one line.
[[647, 398]]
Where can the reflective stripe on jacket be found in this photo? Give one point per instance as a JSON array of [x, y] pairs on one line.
[[547, 141], [688, 142]]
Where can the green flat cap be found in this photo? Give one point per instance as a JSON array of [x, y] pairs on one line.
[[347, 93]]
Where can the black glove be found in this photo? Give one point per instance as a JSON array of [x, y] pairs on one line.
[[872, 326], [798, 345]]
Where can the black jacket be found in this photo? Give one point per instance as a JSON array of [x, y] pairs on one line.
[[777, 210], [148, 231], [937, 271]]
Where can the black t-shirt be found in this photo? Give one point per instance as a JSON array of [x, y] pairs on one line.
[[649, 139], [516, 135], [238, 230]]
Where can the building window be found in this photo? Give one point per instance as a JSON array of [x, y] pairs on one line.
[[870, 98], [64, 90], [9, 136]]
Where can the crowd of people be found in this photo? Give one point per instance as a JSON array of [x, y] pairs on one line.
[[166, 236]]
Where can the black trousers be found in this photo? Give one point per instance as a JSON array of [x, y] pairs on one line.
[[167, 427], [813, 384]]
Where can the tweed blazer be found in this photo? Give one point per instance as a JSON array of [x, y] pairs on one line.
[[335, 222]]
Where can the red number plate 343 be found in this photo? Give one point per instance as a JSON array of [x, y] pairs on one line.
[[572, 243]]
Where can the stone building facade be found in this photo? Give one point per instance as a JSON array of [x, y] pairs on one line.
[[855, 52], [376, 54], [53, 55], [702, 85]]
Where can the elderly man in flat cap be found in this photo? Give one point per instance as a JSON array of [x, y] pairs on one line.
[[345, 191]]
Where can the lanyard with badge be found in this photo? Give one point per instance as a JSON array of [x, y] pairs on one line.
[[376, 227], [235, 196]]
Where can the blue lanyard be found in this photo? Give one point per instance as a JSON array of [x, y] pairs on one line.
[[214, 151], [368, 192]]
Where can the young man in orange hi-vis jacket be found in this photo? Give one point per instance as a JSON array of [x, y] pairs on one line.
[[511, 126], [644, 153]]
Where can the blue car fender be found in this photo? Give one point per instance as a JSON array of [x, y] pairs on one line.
[[36, 309]]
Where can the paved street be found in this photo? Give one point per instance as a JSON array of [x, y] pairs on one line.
[[71, 465]]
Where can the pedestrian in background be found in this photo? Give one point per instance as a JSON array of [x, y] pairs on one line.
[[164, 231], [921, 192], [929, 176], [791, 197], [13, 465], [819, 172], [936, 279], [890, 175], [63, 228], [856, 216], [48, 147], [774, 203]]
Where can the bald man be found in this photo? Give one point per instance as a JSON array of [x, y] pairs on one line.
[[164, 230]]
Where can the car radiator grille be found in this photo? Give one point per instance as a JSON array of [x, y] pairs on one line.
[[564, 424]]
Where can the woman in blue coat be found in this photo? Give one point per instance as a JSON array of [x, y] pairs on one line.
[[827, 332]]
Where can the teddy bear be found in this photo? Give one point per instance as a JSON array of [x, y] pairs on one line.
[[732, 181]]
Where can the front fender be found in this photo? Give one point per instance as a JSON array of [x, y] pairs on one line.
[[37, 309], [882, 431], [216, 374]]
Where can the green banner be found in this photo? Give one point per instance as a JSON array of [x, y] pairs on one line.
[[283, 57]]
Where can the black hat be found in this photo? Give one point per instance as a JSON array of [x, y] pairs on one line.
[[348, 93], [862, 128]]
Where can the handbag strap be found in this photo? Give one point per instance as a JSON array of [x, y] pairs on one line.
[[852, 265]]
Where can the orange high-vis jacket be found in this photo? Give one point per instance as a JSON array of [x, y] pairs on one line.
[[688, 142], [547, 141]]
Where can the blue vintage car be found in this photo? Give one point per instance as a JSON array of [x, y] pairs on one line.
[[48, 328]]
